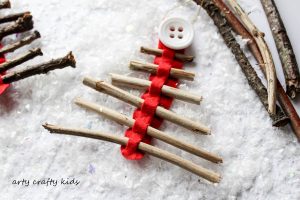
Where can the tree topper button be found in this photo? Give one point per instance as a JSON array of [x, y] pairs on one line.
[[176, 33]]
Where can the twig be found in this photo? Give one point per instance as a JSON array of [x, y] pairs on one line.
[[21, 59], [144, 84], [152, 68], [43, 68], [264, 50], [124, 120], [5, 4], [151, 150], [27, 40], [106, 88], [279, 119], [283, 99], [284, 46], [158, 52], [23, 24], [12, 17]]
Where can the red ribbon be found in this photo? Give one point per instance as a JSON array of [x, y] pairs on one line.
[[145, 116], [3, 86]]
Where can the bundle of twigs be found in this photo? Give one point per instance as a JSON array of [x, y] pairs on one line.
[[18, 23]]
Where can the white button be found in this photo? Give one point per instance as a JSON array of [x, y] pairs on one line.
[[176, 33]]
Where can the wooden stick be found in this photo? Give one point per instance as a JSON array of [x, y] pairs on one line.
[[124, 120], [151, 150], [284, 47], [27, 40], [279, 119], [5, 4], [42, 68], [106, 88], [137, 83], [283, 99], [152, 68], [264, 50], [12, 17], [21, 59], [23, 24], [158, 52]]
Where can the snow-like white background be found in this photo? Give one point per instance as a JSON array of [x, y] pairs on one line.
[[260, 161]]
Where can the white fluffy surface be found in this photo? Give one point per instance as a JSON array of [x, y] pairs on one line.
[[260, 162]]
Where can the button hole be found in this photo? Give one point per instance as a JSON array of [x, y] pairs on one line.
[[180, 36], [180, 29], [172, 36], [172, 28]]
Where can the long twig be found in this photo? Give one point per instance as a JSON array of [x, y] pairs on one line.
[[21, 59], [27, 40], [283, 99], [42, 68], [137, 83], [111, 90], [5, 4], [151, 150], [23, 24], [124, 120], [285, 49], [12, 17], [279, 119]]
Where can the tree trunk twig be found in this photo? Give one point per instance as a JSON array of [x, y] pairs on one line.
[[284, 47], [27, 40], [155, 133], [19, 60], [42, 68], [5, 4], [13, 17], [23, 24], [279, 119], [283, 99], [264, 50], [151, 150]]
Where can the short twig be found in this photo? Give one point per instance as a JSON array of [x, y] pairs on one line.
[[5, 4], [158, 52], [144, 84], [152, 68], [124, 120], [12, 17], [23, 24], [106, 88], [43, 68], [151, 150], [21, 59]]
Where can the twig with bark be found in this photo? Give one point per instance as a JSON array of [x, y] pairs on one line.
[[42, 68], [12, 17], [284, 47], [279, 119], [25, 41], [283, 99], [4, 4], [23, 24]]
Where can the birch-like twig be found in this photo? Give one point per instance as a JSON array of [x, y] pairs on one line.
[[151, 150], [264, 50], [137, 83], [124, 120], [111, 90]]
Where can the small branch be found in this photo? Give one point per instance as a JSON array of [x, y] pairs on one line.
[[151, 150], [279, 119], [158, 52], [15, 62], [106, 88], [284, 47], [137, 83], [5, 4], [27, 40], [152, 68], [13, 17], [283, 99], [43, 68], [124, 120], [23, 24]]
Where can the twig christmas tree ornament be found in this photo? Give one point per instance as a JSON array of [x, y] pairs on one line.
[[17, 23], [175, 34]]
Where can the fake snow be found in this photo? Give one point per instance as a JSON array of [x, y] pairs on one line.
[[260, 161]]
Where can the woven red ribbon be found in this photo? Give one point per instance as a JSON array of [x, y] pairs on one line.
[[145, 116], [3, 86]]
